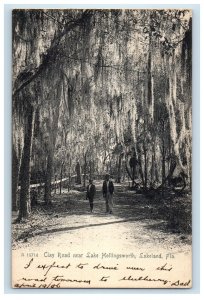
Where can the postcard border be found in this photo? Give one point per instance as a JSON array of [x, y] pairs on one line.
[[195, 161]]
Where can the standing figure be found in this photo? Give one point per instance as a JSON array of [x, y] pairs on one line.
[[78, 172], [133, 162], [108, 189], [91, 190]]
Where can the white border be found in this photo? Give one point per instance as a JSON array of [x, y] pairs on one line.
[[2, 131]]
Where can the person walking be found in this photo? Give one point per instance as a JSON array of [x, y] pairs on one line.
[[90, 193], [108, 189]]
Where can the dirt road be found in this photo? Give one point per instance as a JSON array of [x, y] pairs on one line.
[[142, 235], [136, 223]]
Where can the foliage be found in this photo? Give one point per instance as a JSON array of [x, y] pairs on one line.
[[104, 81]]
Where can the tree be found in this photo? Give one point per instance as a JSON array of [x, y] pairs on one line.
[[100, 83]]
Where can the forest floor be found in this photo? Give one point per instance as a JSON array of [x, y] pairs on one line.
[[137, 221]]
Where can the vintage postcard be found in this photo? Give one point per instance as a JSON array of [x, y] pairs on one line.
[[101, 148]]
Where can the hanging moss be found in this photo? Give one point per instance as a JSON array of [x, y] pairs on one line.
[[186, 54], [103, 78]]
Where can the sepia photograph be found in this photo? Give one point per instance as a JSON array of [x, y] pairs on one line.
[[101, 148]]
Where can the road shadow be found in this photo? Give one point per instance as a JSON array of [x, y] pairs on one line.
[[70, 228], [171, 216]]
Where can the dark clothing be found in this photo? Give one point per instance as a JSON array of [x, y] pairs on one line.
[[91, 190], [108, 187]]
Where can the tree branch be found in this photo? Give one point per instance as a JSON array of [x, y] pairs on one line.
[[52, 52], [54, 19]]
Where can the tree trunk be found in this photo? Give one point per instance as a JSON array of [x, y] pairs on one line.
[[53, 127], [119, 169], [129, 173], [15, 177], [172, 168], [69, 181], [190, 177], [163, 154], [110, 165], [163, 162], [175, 137], [153, 168], [48, 178], [25, 204], [91, 169], [55, 184], [78, 173], [85, 165], [140, 165], [145, 169], [150, 83], [61, 175]]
